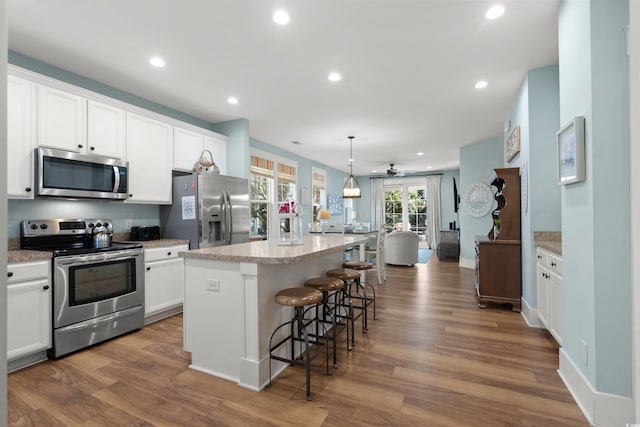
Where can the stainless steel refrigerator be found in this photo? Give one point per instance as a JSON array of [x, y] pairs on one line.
[[208, 209]]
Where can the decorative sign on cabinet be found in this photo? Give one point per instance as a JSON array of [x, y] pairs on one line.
[[498, 259]]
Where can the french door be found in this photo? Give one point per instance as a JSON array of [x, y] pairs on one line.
[[406, 207]]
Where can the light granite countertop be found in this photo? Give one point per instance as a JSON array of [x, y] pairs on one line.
[[549, 240], [23, 255], [266, 252], [161, 243]]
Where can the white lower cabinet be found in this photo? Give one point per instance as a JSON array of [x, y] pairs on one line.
[[164, 282], [549, 284], [28, 309]]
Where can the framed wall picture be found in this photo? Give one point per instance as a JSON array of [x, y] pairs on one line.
[[335, 205], [513, 144], [570, 139]]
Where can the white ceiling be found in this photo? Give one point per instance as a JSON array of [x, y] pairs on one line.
[[408, 66]]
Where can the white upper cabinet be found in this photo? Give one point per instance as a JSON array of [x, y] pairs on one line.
[[106, 130], [188, 146], [218, 148], [150, 155], [20, 141], [62, 119]]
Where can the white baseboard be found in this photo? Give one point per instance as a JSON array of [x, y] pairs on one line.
[[600, 409], [530, 315], [467, 263]]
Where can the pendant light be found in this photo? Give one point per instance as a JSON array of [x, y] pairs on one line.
[[351, 189]]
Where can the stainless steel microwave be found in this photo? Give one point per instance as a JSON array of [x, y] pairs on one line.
[[61, 173]]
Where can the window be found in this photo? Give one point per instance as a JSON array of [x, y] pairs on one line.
[[273, 179], [261, 171], [406, 208], [318, 190]]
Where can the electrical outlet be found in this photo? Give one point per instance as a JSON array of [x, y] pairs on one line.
[[584, 352], [127, 224], [213, 285]]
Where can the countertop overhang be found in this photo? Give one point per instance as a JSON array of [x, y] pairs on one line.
[[269, 252]]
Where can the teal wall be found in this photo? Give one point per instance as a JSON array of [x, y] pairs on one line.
[[536, 111], [477, 162], [238, 157], [595, 213]]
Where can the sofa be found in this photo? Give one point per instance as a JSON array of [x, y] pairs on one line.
[[401, 248]]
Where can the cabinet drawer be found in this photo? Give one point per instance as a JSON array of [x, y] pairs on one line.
[[28, 271], [160, 254], [555, 265], [541, 257]]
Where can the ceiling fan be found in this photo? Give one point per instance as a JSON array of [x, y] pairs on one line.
[[392, 171]]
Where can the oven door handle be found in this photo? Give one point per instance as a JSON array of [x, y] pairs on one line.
[[92, 258]]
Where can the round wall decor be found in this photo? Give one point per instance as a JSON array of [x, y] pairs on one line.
[[478, 199]]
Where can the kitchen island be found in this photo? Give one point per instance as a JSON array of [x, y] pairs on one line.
[[229, 308]]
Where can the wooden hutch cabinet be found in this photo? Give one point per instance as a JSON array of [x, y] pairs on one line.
[[498, 255]]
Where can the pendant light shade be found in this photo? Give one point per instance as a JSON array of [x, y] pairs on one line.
[[351, 189]]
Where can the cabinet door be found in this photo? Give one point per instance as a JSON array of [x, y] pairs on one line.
[[219, 150], [555, 307], [106, 131], [150, 156], [187, 147], [164, 285], [542, 283], [20, 141], [28, 318], [62, 118]]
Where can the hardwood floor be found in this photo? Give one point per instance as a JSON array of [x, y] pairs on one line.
[[431, 359]]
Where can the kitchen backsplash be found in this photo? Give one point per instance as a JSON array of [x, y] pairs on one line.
[[123, 215]]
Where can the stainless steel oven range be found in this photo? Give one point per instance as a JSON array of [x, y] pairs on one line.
[[98, 285]]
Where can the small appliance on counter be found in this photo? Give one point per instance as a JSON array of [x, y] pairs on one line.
[[144, 233]]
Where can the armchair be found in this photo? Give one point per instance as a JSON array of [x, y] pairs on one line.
[[401, 248]]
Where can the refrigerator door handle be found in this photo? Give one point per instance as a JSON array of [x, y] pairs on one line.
[[228, 218], [223, 214]]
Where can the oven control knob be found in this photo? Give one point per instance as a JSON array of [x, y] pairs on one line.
[[44, 226], [90, 225], [45, 287], [34, 226]]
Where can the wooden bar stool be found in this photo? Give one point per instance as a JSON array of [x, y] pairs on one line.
[[362, 286], [348, 277], [299, 299], [330, 288]]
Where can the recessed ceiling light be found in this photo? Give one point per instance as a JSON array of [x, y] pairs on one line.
[[281, 17], [420, 153], [495, 11], [232, 100], [334, 77], [481, 84], [429, 167], [374, 171], [156, 61]]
